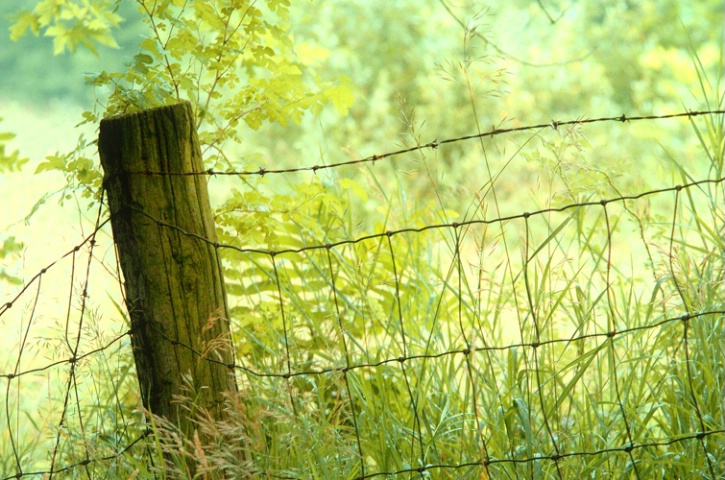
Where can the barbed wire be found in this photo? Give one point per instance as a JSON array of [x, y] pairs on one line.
[[466, 351], [553, 458], [434, 144], [453, 225], [406, 358], [37, 277], [83, 463], [608, 338]]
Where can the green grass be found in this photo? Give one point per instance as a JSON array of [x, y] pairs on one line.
[[615, 364], [573, 344], [581, 343]]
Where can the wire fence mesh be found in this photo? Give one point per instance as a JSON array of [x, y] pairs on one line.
[[584, 340]]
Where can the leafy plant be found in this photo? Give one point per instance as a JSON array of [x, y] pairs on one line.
[[418, 341], [232, 59]]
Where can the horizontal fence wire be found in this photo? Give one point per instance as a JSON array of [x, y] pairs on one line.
[[452, 225], [434, 144], [468, 348]]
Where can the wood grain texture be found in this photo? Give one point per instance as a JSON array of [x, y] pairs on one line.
[[173, 281]]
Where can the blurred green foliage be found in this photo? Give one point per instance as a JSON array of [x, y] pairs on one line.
[[260, 75], [10, 161], [35, 75], [417, 66], [437, 69]]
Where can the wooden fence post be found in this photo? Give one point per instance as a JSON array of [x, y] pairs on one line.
[[173, 279]]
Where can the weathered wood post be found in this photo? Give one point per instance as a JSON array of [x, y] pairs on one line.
[[162, 227]]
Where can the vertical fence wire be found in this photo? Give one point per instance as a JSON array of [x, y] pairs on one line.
[[493, 409]]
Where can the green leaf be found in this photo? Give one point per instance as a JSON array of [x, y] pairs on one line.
[[24, 21], [53, 162], [347, 183], [9, 161], [342, 98]]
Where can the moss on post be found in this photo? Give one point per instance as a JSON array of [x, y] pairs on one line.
[[164, 234]]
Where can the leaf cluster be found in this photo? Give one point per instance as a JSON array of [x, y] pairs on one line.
[[70, 23], [9, 161], [234, 60]]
